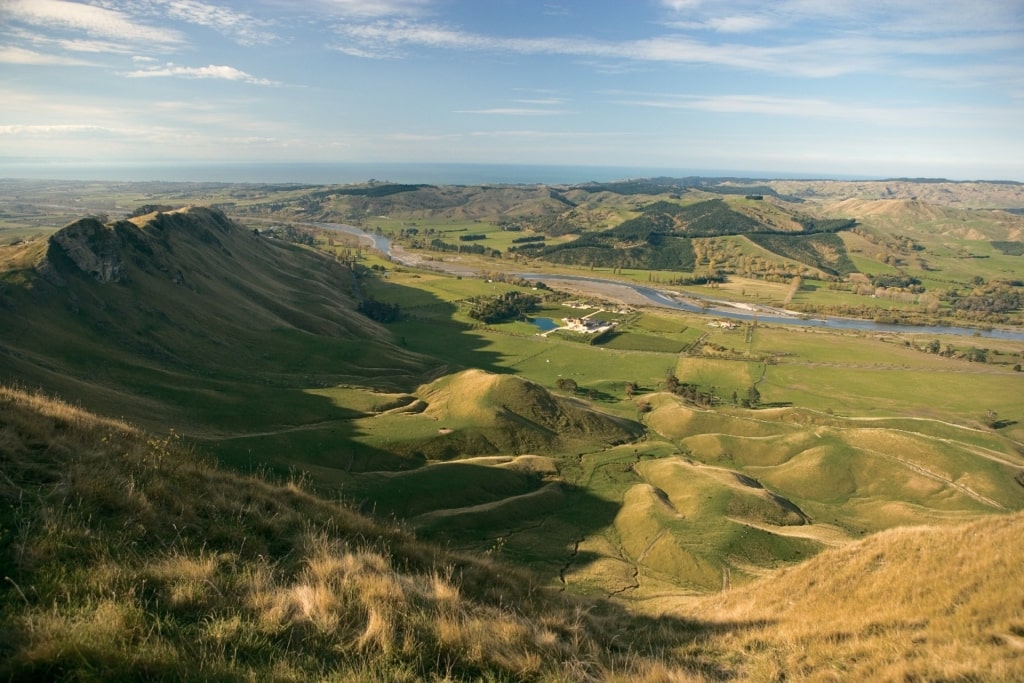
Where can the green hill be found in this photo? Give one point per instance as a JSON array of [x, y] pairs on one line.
[[660, 238], [184, 318]]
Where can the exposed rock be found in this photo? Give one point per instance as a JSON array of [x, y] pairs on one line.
[[91, 246]]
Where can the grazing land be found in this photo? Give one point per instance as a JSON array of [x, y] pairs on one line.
[[678, 462]]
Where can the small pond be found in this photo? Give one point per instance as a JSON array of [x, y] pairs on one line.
[[544, 324]]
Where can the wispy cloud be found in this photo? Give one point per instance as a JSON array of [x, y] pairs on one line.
[[225, 73], [822, 57], [241, 27], [17, 55], [54, 129], [883, 16], [550, 101], [372, 8], [115, 27], [818, 108]]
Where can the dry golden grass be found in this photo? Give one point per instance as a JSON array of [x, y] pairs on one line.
[[910, 604]]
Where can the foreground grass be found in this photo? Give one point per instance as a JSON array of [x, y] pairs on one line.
[[911, 604]]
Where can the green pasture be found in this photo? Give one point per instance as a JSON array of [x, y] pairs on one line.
[[960, 395], [988, 441], [411, 288], [633, 341], [726, 376], [817, 293], [737, 288], [435, 487], [449, 230], [816, 345]]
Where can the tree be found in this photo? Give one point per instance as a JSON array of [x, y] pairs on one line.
[[672, 382], [566, 384], [753, 396]]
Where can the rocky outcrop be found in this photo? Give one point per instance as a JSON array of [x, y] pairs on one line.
[[90, 246], [101, 251]]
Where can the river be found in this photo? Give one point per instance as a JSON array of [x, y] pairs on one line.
[[684, 302]]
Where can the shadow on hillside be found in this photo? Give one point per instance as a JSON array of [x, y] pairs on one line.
[[681, 642], [426, 327]]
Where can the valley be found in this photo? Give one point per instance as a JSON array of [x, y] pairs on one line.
[[679, 458]]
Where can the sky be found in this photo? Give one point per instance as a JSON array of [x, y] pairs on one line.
[[822, 88]]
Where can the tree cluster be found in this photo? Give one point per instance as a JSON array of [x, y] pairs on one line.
[[503, 307], [993, 298], [441, 245], [380, 311]]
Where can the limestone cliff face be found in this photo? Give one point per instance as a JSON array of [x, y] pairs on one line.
[[91, 246]]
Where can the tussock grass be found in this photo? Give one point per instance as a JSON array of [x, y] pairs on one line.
[[909, 604]]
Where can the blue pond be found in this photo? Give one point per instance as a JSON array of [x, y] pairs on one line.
[[544, 324]]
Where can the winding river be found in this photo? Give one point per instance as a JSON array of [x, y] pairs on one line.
[[684, 302]]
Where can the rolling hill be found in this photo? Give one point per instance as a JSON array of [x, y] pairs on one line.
[[126, 557]]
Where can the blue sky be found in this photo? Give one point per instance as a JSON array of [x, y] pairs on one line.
[[818, 87]]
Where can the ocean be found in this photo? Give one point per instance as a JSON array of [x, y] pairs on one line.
[[337, 173]]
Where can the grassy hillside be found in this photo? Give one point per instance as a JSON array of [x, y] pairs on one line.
[[925, 604], [125, 557], [475, 413], [184, 318]]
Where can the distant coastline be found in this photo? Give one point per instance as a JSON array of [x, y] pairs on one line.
[[347, 173]]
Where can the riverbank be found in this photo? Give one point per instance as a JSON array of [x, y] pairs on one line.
[[639, 295]]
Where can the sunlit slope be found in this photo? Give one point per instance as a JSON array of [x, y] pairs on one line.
[[708, 498], [921, 603], [862, 475], [477, 413], [185, 318]]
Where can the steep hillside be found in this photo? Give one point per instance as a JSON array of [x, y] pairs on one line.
[[454, 202], [923, 604], [185, 318], [864, 475], [921, 219], [661, 237]]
